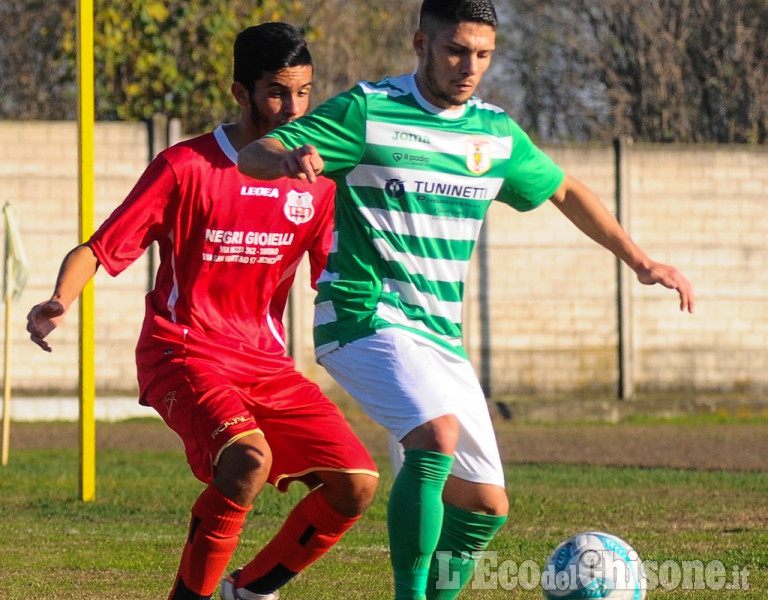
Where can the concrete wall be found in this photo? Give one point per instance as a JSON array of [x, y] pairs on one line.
[[38, 175], [551, 326], [553, 292]]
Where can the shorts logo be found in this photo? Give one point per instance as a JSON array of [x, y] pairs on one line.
[[394, 188], [478, 155], [169, 401], [226, 425], [298, 207]]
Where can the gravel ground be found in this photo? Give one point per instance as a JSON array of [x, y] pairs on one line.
[[679, 445]]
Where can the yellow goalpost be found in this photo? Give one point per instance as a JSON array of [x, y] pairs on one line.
[[85, 122]]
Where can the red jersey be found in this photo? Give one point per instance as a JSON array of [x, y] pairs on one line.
[[229, 249]]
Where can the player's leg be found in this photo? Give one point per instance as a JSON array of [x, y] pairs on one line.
[[415, 508], [404, 385], [475, 497], [312, 528], [218, 516], [473, 514], [225, 450], [312, 443]]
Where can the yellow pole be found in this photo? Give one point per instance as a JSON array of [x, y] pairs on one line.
[[85, 115]]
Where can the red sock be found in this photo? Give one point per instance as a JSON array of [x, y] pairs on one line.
[[214, 532], [311, 529]]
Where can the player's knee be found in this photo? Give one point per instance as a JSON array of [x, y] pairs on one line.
[[437, 435], [362, 492], [493, 502], [476, 497], [350, 494], [499, 505], [243, 470], [252, 462]]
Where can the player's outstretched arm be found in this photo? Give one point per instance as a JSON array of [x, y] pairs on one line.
[[582, 206], [76, 270], [267, 158]]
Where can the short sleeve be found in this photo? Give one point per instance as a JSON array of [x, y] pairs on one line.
[[531, 177], [336, 128], [140, 220], [322, 242]]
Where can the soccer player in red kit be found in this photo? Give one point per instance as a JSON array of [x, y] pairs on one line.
[[211, 357]]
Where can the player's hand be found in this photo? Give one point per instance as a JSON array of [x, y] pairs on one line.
[[670, 278], [42, 319], [303, 163]]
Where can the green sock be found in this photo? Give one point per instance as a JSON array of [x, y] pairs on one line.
[[464, 536], [414, 519]]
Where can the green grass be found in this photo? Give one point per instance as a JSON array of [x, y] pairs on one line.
[[125, 545], [718, 417]]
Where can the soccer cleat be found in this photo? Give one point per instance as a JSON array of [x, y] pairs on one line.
[[228, 589]]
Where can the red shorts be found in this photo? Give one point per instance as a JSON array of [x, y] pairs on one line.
[[304, 429]]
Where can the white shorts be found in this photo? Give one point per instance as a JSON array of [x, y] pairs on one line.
[[402, 381]]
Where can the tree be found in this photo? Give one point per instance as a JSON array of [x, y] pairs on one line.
[[657, 70], [175, 57], [150, 56], [35, 83], [351, 41]]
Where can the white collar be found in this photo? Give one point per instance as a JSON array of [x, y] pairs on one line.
[[224, 143], [446, 113]]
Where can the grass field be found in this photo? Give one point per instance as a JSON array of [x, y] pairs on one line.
[[126, 543]]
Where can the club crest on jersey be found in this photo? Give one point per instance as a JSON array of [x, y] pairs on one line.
[[478, 155], [298, 207]]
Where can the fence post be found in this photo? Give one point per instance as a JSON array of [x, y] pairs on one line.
[[626, 388], [484, 305], [161, 132]]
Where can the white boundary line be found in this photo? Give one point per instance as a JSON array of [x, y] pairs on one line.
[[66, 408]]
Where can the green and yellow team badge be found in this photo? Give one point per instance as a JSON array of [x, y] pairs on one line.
[[478, 155]]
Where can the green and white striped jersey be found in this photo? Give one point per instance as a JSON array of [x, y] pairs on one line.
[[414, 183]]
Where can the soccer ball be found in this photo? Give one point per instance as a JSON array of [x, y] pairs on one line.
[[596, 565]]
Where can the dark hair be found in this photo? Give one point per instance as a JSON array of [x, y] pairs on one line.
[[453, 12], [268, 47]]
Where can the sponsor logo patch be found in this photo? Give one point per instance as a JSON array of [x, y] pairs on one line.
[[411, 159], [478, 155], [394, 188], [267, 192], [410, 136], [298, 207]]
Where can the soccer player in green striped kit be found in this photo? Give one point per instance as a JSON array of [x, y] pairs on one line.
[[417, 159]]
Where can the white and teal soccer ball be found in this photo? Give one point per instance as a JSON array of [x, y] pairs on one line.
[[594, 564]]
